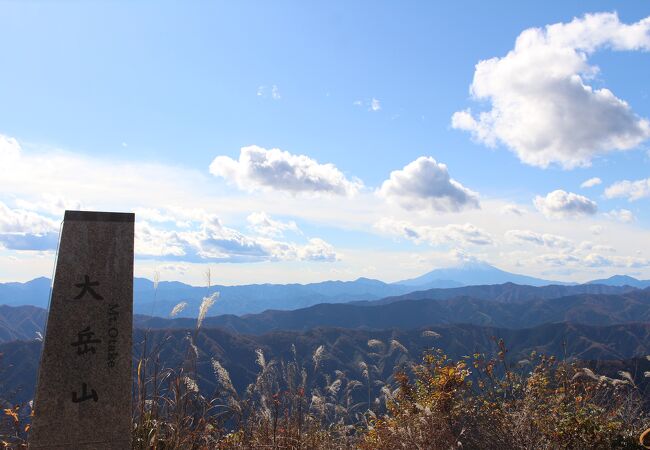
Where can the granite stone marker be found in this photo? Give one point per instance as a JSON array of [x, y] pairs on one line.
[[83, 397]]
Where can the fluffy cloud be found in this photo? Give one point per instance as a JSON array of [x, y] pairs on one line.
[[622, 215], [210, 240], [26, 230], [542, 107], [53, 205], [261, 223], [216, 242], [459, 234], [591, 182], [206, 240], [152, 241], [560, 203], [316, 250], [426, 184], [24, 222], [633, 190], [259, 168], [213, 241], [543, 239], [593, 259], [9, 150], [513, 209]]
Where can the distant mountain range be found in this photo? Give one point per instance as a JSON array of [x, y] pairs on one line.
[[256, 298], [591, 322], [587, 309], [505, 306]]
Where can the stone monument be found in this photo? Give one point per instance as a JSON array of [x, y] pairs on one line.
[[83, 397]]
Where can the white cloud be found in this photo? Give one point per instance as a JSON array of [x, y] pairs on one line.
[[458, 234], [558, 259], [542, 107], [202, 241], [513, 209], [259, 168], [275, 93], [54, 205], [633, 190], [212, 241], [426, 184], [593, 260], [180, 218], [18, 221], [596, 230], [560, 203], [317, 250], [174, 200], [174, 269], [543, 239], [263, 224], [591, 182], [622, 215], [10, 150], [373, 104], [152, 241], [26, 230]]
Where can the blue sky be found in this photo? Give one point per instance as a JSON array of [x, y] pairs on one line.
[[143, 97]]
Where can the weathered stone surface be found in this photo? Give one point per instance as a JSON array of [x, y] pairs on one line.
[[83, 398]]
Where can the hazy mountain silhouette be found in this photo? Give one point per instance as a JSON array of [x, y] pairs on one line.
[[507, 292], [233, 299], [622, 280], [255, 298], [471, 273], [585, 309], [509, 305], [35, 292]]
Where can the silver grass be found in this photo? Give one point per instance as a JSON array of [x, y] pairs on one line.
[[190, 384], [396, 345], [156, 279], [364, 369], [206, 304], [626, 376], [353, 384], [260, 360], [177, 309], [318, 355], [334, 387], [222, 375], [195, 349], [586, 373], [431, 334]]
